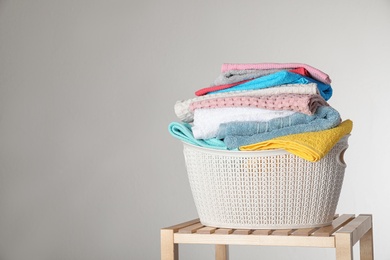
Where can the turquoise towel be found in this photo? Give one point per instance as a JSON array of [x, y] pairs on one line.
[[238, 134], [280, 78], [183, 132]]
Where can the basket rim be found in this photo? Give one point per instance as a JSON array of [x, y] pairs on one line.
[[238, 153]]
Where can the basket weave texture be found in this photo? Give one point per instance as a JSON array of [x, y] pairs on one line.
[[264, 189]]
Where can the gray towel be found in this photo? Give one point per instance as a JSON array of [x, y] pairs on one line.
[[233, 76], [236, 134]]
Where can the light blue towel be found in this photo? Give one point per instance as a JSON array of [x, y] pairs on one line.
[[183, 132], [237, 134], [280, 78]]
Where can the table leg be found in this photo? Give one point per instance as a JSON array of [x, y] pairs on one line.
[[366, 246], [344, 250], [169, 250], [221, 252]]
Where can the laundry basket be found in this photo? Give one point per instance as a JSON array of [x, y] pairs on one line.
[[264, 189]]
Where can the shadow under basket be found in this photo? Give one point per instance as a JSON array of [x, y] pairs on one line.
[[264, 189]]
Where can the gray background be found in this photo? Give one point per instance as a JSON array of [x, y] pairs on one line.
[[87, 88]]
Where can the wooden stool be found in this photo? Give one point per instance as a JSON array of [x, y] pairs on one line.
[[343, 234]]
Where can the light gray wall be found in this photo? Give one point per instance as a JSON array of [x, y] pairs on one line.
[[87, 88]]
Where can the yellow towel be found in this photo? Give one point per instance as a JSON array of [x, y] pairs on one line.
[[311, 146]]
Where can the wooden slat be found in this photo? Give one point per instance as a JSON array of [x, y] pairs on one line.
[[229, 239], [191, 229], [355, 223], [242, 232], [206, 230], [282, 232], [175, 228], [304, 231], [262, 232], [336, 224], [224, 231]]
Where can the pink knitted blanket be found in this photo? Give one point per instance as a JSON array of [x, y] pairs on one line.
[[302, 103], [315, 73]]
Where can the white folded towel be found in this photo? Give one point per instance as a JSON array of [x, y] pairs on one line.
[[207, 120]]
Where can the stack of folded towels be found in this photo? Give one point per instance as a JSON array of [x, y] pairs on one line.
[[263, 106]]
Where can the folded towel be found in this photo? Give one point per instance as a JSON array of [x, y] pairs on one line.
[[315, 73], [183, 112], [238, 76], [306, 104], [301, 71], [271, 80], [280, 78], [207, 120], [183, 132], [234, 76], [237, 134], [204, 91], [312, 146]]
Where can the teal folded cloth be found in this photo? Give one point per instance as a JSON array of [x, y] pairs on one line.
[[280, 78], [183, 132], [236, 134]]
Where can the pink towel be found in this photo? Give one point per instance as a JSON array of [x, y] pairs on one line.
[[302, 103], [315, 73]]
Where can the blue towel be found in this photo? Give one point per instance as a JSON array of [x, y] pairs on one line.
[[280, 78], [237, 134], [183, 132]]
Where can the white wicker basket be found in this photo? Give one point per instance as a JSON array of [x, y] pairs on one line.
[[264, 189]]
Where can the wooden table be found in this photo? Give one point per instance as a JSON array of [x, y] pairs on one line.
[[342, 235]]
